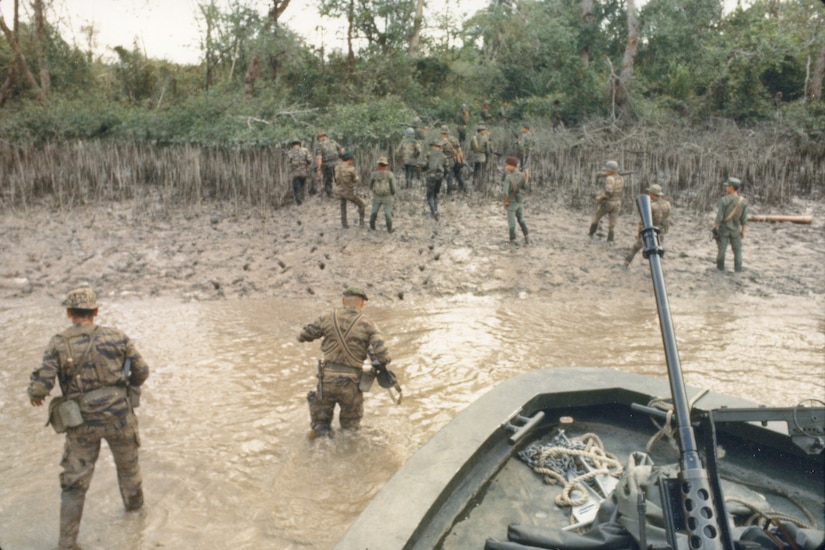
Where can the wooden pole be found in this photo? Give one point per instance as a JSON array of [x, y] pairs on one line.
[[776, 218]]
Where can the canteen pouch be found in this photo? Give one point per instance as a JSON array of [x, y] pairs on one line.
[[64, 414], [134, 396], [366, 380]]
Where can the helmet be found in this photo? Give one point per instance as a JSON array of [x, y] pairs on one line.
[[293, 141], [611, 165], [81, 298], [481, 127], [409, 132], [464, 107], [346, 156], [417, 120], [655, 189], [383, 160]]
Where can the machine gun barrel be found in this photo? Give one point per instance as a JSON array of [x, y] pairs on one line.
[[699, 503]]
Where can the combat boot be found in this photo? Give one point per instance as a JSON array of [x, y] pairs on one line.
[[372, 221], [344, 214], [526, 239], [71, 511], [388, 220], [593, 228], [610, 236]]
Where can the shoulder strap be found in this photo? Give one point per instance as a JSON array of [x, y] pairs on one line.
[[75, 366], [341, 338], [733, 212]]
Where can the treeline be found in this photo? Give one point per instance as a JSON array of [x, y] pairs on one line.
[[676, 69]]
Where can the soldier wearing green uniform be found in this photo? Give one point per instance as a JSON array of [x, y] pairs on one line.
[[511, 188], [610, 199], [346, 178], [327, 152], [409, 150], [660, 211], [729, 225], [299, 161], [435, 165], [347, 337], [481, 147], [99, 371], [382, 185], [485, 115], [455, 159]]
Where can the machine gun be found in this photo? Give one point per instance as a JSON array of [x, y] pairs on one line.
[[386, 378]]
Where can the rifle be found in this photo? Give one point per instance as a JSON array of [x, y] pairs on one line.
[[132, 392], [702, 508]]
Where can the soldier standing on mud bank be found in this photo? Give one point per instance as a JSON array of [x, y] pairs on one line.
[[347, 337], [346, 179], [299, 161], [526, 143], [729, 226], [409, 150], [327, 152], [435, 165], [462, 121], [481, 148], [660, 212], [382, 185], [514, 182], [455, 159], [99, 371], [610, 199]]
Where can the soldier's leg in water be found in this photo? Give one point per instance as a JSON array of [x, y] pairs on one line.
[[124, 444], [80, 454], [351, 400], [322, 410]]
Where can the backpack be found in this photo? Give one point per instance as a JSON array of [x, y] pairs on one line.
[[381, 184]]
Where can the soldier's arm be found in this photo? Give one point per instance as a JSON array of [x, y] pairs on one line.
[[42, 379], [140, 370], [311, 332], [378, 346]]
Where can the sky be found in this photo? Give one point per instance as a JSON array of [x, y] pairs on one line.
[[169, 29]]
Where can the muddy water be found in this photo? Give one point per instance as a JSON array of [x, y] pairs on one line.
[[223, 420]]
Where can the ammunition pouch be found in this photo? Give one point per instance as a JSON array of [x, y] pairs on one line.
[[133, 393], [366, 380], [64, 413]]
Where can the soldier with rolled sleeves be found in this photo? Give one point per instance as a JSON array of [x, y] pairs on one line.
[[729, 225], [382, 185], [99, 371], [348, 335], [660, 211], [327, 152], [514, 182], [610, 199], [346, 178]]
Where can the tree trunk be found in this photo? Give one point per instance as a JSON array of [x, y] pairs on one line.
[[626, 70], [814, 90], [252, 76], [42, 47], [20, 60], [587, 19], [350, 32], [418, 22]]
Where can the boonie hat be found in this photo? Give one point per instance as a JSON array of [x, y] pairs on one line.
[[355, 291], [81, 298], [511, 161], [733, 182], [655, 189], [383, 160]]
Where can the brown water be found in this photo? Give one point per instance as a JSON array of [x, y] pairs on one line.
[[223, 419]]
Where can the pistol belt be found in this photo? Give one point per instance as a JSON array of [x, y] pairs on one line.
[[334, 370]]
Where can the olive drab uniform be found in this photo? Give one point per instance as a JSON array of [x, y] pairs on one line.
[[481, 147], [382, 185], [462, 120], [435, 166], [345, 180], [452, 152], [347, 337], [514, 182], [660, 211], [327, 151], [526, 144], [731, 215], [409, 150], [610, 204], [87, 361], [299, 161]]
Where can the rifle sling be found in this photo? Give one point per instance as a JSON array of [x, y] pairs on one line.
[[733, 212], [75, 366]]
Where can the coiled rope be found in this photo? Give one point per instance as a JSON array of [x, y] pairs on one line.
[[571, 462]]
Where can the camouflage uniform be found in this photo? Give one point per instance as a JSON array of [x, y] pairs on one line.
[[731, 218], [435, 165], [326, 155], [382, 185], [409, 150], [100, 389], [610, 200], [511, 187], [341, 369], [455, 159], [660, 211], [346, 178], [462, 120], [526, 144], [481, 147], [299, 161]]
